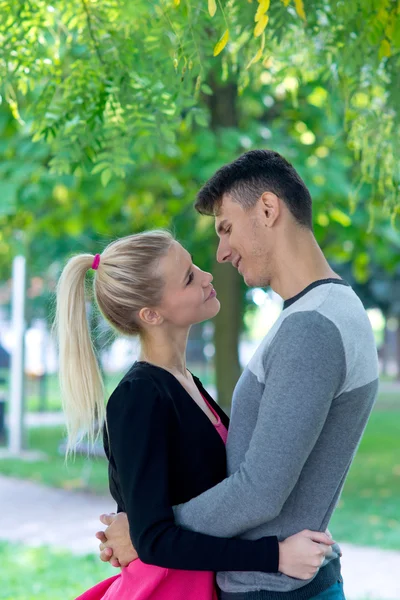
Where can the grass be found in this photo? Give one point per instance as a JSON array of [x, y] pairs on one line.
[[45, 574], [369, 509], [81, 473]]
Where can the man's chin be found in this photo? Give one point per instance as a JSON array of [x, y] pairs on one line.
[[248, 281], [253, 282]]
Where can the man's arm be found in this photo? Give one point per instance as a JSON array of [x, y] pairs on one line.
[[138, 418], [304, 370]]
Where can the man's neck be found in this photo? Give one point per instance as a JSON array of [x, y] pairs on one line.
[[300, 264]]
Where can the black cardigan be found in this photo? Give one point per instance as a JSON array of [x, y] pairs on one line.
[[163, 450]]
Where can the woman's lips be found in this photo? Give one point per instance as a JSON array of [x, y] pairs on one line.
[[213, 293]]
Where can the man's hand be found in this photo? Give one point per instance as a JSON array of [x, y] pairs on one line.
[[116, 546]]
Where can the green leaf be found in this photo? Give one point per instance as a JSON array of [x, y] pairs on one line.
[[206, 89], [201, 119], [99, 167], [8, 195], [106, 176]]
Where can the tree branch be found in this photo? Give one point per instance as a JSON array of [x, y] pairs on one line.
[[91, 32]]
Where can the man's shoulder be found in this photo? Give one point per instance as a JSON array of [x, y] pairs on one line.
[[298, 326]]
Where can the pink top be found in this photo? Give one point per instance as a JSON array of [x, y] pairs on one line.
[[219, 426], [139, 581]]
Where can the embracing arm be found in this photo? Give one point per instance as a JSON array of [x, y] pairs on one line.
[[305, 367], [138, 424]]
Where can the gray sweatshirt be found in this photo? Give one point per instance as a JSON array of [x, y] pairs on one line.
[[298, 413]]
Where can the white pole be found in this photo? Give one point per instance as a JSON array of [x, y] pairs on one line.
[[17, 356]]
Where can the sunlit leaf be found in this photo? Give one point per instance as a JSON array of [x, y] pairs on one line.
[[212, 7], [222, 43], [385, 49], [261, 25], [300, 9], [340, 217], [255, 58], [262, 9]]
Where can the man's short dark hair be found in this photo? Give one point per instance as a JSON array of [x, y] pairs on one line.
[[249, 176]]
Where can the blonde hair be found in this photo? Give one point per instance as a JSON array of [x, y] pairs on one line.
[[125, 282]]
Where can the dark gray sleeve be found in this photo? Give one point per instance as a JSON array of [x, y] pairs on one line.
[[304, 368]]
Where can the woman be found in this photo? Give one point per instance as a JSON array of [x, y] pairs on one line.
[[164, 435]]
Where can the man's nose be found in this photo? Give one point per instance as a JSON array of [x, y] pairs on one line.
[[223, 252]]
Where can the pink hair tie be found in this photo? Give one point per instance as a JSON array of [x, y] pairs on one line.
[[96, 262]]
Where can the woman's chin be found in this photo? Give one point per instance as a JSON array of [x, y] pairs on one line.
[[214, 306]]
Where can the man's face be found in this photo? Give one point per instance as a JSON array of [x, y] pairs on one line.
[[243, 241]]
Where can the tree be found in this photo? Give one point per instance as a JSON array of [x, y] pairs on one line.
[[115, 80], [134, 117]]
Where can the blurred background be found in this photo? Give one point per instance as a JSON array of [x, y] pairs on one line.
[[112, 115]]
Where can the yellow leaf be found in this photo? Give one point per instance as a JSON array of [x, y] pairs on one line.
[[219, 46], [340, 217], [255, 58], [262, 9], [261, 25], [212, 7], [177, 2], [300, 9], [384, 49]]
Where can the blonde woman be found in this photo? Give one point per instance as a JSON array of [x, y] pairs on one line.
[[164, 435]]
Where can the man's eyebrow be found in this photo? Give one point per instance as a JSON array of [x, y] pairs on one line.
[[221, 226], [189, 269]]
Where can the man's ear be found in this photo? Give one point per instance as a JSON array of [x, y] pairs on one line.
[[271, 207], [150, 316]]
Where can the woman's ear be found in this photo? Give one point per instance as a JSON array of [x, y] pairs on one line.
[[150, 316]]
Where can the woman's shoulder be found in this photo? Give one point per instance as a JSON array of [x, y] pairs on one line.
[[142, 380]]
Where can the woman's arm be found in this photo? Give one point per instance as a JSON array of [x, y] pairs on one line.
[[139, 424]]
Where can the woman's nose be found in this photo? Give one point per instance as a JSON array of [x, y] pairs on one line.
[[207, 279]]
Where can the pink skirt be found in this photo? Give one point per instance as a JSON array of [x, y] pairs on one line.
[[139, 581]]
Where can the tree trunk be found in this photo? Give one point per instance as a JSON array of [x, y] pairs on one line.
[[398, 348], [227, 282], [385, 348], [227, 330]]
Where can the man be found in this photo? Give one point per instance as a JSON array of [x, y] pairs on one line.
[[301, 405]]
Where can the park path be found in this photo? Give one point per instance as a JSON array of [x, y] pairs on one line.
[[36, 515]]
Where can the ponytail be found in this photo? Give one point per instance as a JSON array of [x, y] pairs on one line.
[[126, 280], [81, 382]]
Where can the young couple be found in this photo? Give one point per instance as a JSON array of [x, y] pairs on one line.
[[256, 511]]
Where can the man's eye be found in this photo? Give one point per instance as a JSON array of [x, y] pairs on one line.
[[190, 279]]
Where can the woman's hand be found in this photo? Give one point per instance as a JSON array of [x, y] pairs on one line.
[[116, 546], [302, 554]]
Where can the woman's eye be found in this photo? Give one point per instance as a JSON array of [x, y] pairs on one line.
[[191, 276]]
